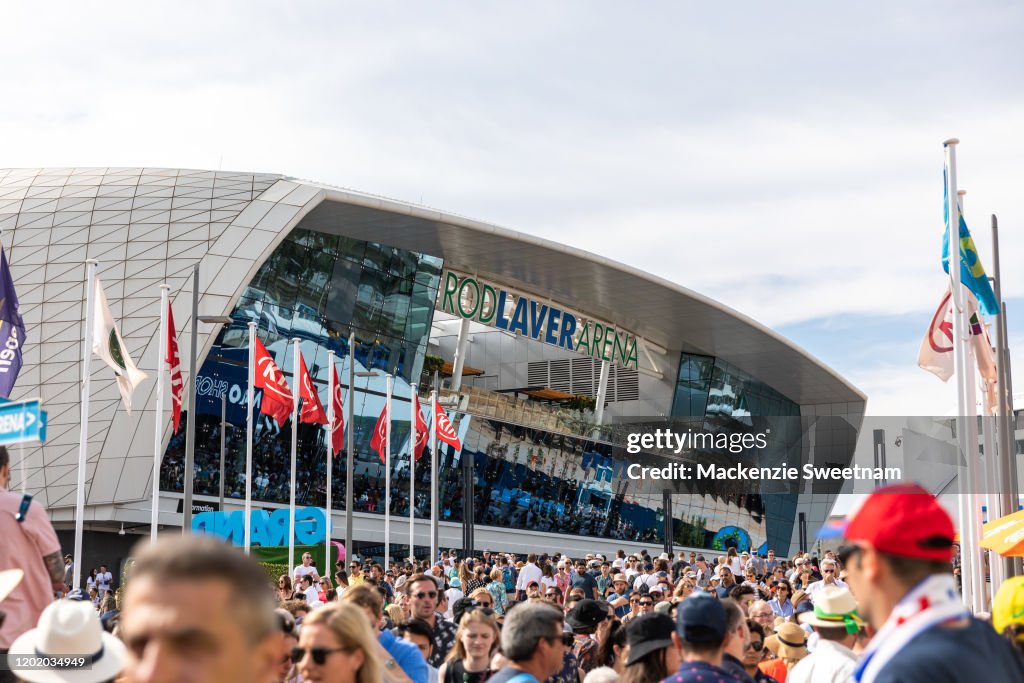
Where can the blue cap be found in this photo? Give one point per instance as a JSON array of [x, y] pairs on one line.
[[701, 618]]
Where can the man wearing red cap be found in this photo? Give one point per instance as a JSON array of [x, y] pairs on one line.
[[898, 567]]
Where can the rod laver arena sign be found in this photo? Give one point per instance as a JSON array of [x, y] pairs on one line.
[[518, 313]]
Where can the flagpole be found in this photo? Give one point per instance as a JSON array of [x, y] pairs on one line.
[[250, 398], [190, 419], [83, 438], [414, 408], [350, 445], [387, 476], [433, 476], [330, 457], [158, 432], [295, 438], [987, 486], [969, 549]]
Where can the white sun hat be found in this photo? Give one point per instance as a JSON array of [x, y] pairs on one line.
[[70, 629]]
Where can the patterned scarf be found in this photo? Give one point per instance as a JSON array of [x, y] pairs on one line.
[[933, 601]]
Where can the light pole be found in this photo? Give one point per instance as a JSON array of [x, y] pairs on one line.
[[190, 432]]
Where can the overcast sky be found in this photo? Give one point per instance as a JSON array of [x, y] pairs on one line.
[[785, 160]]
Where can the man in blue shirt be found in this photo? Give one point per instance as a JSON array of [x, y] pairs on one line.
[[398, 653], [702, 635], [620, 598]]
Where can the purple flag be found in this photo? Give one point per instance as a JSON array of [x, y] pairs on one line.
[[12, 330]]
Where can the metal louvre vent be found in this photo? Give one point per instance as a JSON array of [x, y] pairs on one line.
[[582, 376], [585, 372], [560, 375], [537, 374], [627, 383]]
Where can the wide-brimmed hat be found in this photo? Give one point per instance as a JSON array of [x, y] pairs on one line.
[[834, 607], [586, 614], [69, 629], [647, 633], [789, 641], [9, 580]]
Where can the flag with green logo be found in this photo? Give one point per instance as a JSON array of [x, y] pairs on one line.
[[108, 345]]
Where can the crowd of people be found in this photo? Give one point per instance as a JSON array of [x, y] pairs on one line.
[[883, 609]]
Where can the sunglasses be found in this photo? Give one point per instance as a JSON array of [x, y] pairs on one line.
[[425, 594], [646, 603], [756, 646], [568, 639], [319, 654], [551, 595], [828, 571]]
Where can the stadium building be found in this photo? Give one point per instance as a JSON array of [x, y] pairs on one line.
[[541, 350]]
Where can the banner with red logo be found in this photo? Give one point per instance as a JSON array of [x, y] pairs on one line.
[[174, 369], [312, 409], [445, 430], [277, 397], [338, 428]]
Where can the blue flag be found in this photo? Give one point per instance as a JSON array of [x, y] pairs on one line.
[[12, 330], [972, 273]]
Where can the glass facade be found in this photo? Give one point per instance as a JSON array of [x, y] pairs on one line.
[[318, 288], [710, 387]]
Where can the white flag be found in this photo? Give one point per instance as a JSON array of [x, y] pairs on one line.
[[108, 345], [936, 354]]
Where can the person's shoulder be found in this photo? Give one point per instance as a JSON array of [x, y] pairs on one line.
[[403, 649], [955, 653]]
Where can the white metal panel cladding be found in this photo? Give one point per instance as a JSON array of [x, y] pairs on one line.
[[144, 226]]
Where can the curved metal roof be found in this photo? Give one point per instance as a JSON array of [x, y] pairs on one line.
[[660, 311], [149, 226]]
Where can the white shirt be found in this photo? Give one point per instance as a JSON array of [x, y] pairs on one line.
[[103, 580], [650, 579], [831, 662], [454, 594], [529, 572], [814, 588], [303, 570], [312, 597]]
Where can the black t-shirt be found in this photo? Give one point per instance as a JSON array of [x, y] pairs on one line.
[[955, 655], [586, 582]]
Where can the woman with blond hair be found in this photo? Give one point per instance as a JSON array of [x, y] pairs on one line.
[[476, 641], [337, 645], [497, 590], [324, 586], [683, 589]]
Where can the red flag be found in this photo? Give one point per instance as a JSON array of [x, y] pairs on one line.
[[379, 441], [174, 368], [277, 397], [312, 409], [445, 430], [422, 435], [338, 428]]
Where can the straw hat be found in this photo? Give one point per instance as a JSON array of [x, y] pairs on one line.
[[67, 629], [789, 641]]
